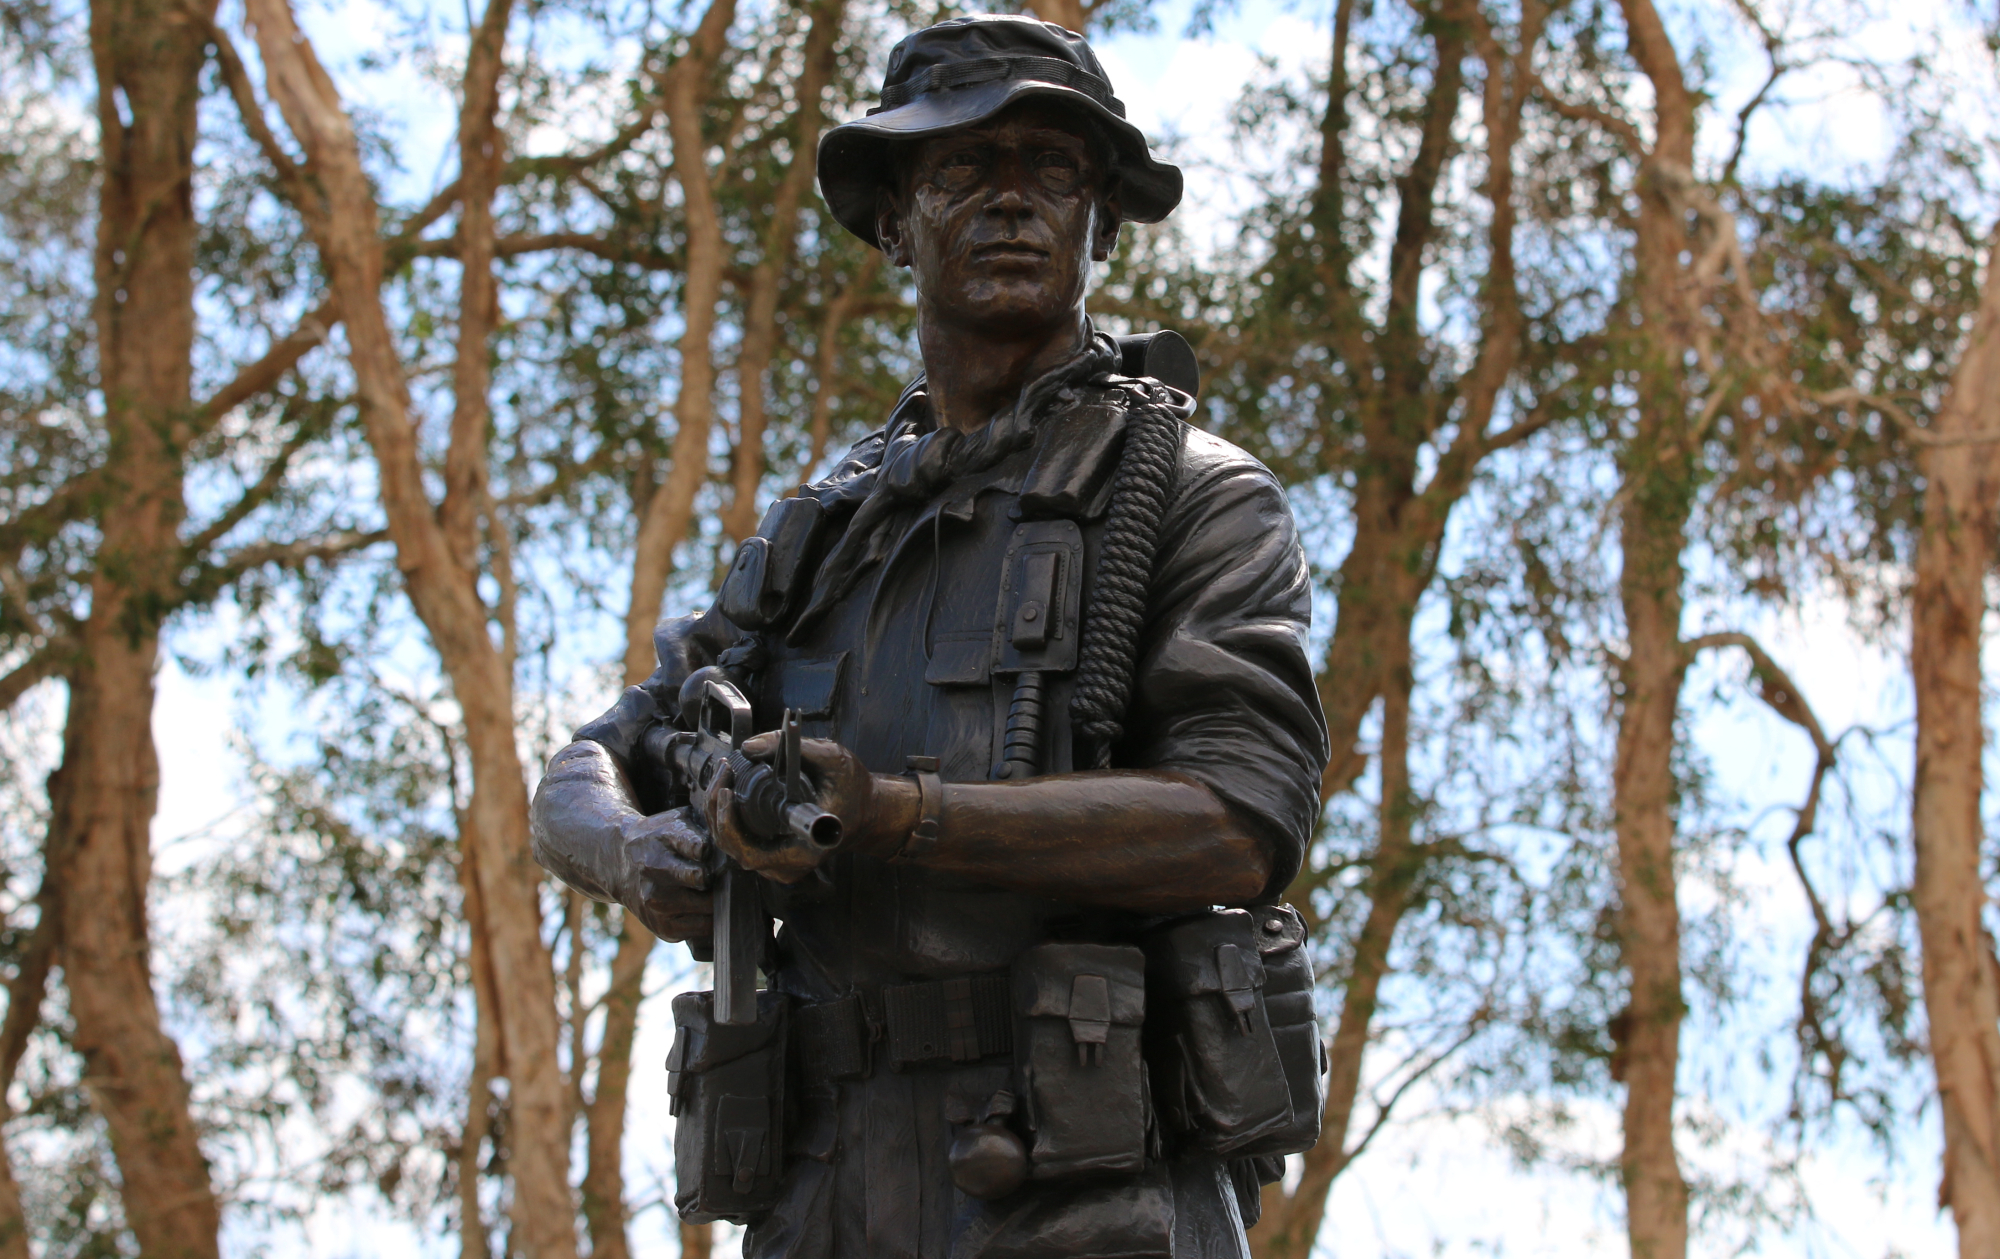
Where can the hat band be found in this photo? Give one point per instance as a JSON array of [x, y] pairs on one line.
[[987, 69]]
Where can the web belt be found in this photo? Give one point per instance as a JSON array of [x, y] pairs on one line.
[[936, 1023]]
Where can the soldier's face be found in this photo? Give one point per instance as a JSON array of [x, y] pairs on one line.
[[999, 222]]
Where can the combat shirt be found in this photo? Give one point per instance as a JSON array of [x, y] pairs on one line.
[[897, 653]]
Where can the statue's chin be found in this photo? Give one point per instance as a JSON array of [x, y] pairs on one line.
[[1009, 307]]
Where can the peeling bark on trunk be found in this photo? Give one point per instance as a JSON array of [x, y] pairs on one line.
[[1955, 555], [342, 216], [148, 57]]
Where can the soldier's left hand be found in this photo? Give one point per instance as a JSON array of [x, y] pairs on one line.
[[841, 784]]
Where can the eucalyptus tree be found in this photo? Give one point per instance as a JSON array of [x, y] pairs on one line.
[[1332, 360], [150, 467], [544, 306]]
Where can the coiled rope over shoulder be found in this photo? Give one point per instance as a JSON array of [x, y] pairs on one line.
[[1140, 491]]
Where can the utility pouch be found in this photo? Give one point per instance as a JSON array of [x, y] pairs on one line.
[[1077, 1015], [727, 1084], [1288, 999], [1216, 1067], [770, 570]]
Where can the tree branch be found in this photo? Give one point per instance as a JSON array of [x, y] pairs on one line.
[[1913, 429], [1383, 1109], [290, 173], [1579, 111], [253, 497], [294, 554], [26, 989], [1782, 695], [45, 662], [255, 378]]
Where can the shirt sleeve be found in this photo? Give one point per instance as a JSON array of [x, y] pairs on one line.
[[1224, 691]]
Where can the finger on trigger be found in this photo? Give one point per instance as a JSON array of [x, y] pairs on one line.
[[821, 753], [722, 817]]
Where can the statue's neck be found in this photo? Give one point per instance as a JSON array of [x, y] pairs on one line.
[[972, 374]]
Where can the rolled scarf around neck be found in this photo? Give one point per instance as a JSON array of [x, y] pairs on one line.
[[918, 460]]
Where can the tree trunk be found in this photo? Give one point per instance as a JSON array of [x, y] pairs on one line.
[[604, 1176], [760, 318], [13, 1221], [345, 226], [826, 361], [1291, 1222], [148, 56], [488, 1060], [1398, 532], [1961, 999], [1657, 479], [1073, 14], [25, 993], [669, 510], [1647, 1033]]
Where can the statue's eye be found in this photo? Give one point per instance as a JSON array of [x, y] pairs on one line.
[[960, 168], [1058, 170]]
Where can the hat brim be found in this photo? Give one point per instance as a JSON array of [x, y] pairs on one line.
[[854, 158]]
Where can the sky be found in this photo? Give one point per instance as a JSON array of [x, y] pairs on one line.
[[1436, 1186]]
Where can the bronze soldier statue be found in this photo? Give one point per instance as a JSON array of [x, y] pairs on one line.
[[991, 720]]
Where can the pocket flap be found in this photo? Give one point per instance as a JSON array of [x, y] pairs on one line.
[[810, 685], [1086, 982], [1209, 953], [960, 660]]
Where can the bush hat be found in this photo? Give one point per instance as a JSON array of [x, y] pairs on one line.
[[964, 71]]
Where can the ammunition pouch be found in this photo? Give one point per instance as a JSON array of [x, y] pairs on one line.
[[1288, 999], [727, 1085], [1077, 1057], [1230, 1025], [771, 568]]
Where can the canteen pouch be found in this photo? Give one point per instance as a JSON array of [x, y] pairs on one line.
[[727, 1086], [1288, 1000], [1217, 1074], [1077, 1015]]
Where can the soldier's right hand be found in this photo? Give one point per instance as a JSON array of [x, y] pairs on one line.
[[666, 883]]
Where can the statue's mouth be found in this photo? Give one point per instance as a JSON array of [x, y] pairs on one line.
[[1009, 251]]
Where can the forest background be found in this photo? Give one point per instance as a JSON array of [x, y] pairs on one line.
[[375, 374]]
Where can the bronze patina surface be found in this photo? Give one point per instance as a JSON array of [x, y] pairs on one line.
[[1046, 643]]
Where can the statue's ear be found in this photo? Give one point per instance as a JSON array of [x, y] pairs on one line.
[[1104, 232], [889, 229]]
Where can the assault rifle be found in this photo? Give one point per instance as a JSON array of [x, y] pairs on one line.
[[775, 802]]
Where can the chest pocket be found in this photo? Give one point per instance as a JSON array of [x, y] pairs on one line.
[[810, 685], [961, 660]]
